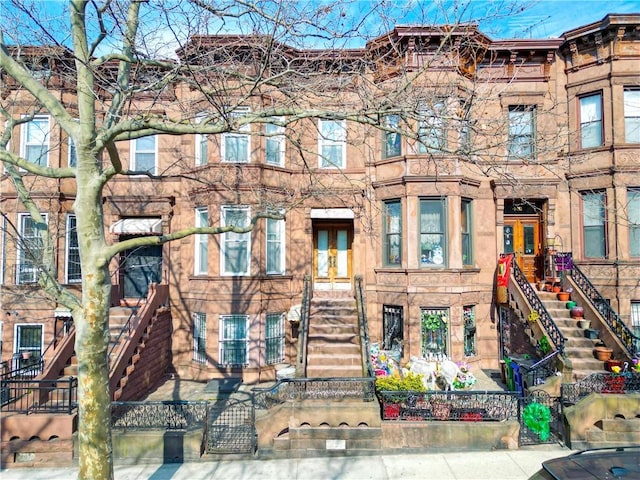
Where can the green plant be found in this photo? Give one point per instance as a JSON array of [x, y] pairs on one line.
[[544, 345], [433, 321], [394, 383]]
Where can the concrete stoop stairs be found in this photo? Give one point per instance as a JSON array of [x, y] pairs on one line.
[[614, 432], [333, 345], [578, 349]]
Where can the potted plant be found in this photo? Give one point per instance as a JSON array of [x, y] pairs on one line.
[[576, 312], [614, 382], [602, 352], [563, 296], [584, 323]]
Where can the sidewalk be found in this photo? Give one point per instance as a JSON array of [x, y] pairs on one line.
[[519, 464]]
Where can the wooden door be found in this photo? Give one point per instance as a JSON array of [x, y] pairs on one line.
[[332, 256], [521, 236]]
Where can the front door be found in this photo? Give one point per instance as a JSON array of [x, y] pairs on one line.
[[332, 256], [142, 266], [522, 238]]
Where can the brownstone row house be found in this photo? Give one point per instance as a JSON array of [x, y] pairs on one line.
[[508, 146]]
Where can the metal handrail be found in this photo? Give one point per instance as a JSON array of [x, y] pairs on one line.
[[550, 327], [39, 396], [127, 327], [616, 325], [303, 333], [364, 327]]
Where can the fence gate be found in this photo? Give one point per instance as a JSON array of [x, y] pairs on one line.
[[540, 419], [231, 427]]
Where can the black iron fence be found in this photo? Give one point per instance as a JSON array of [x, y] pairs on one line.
[[160, 415], [24, 395], [624, 382]]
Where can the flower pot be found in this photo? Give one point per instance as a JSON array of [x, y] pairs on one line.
[[26, 355], [591, 333], [563, 296], [584, 324], [577, 312], [603, 353], [556, 289], [612, 363], [570, 304]]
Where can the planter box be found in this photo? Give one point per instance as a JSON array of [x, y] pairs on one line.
[[591, 333]]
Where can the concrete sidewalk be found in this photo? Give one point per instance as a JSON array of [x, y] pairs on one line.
[[519, 464]]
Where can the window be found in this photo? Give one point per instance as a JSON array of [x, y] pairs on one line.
[[433, 323], [202, 148], [199, 338], [466, 222], [29, 340], [392, 324], [632, 116], [30, 249], [234, 339], [432, 131], [432, 233], [521, 141], [469, 317], [73, 155], [236, 247], [35, 141], [236, 145], [392, 233], [332, 143], [591, 121], [275, 144], [635, 321], [144, 154], [274, 338], [392, 140], [633, 207], [593, 220], [201, 242], [275, 246], [74, 271]]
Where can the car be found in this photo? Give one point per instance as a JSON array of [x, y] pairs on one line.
[[598, 463]]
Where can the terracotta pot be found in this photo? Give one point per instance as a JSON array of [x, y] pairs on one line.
[[556, 289], [577, 312], [563, 296], [603, 353]]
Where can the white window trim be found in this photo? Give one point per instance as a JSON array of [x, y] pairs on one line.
[[240, 111], [23, 138], [223, 271], [16, 327], [327, 142], [200, 138], [67, 248], [134, 151], [222, 340], [283, 243], [201, 240], [278, 136], [20, 247]]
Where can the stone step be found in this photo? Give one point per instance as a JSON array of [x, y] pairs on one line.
[[331, 360], [333, 338], [329, 329], [340, 348], [333, 371]]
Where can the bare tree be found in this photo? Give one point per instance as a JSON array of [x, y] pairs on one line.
[[114, 71]]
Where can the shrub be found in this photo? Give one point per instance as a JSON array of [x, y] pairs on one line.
[[393, 383]]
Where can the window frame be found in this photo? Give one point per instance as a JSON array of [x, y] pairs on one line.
[[201, 146], [280, 242], [432, 122], [631, 115], [199, 341], [521, 132], [243, 133], [72, 252], [33, 269], [25, 143], [596, 230], [229, 237], [634, 313], [201, 242], [135, 151], [587, 123], [278, 137], [222, 340], [390, 231], [432, 260], [438, 336], [274, 335], [470, 340], [633, 214], [466, 231], [324, 141], [392, 141]]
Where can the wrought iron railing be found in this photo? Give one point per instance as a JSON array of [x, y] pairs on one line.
[[471, 406], [364, 327], [611, 318], [625, 382], [303, 333], [159, 415], [551, 329], [39, 396], [126, 329], [20, 368], [314, 389], [537, 373]]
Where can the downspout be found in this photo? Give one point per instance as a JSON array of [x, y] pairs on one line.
[[616, 263]]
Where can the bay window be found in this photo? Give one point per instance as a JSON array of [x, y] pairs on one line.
[[236, 247], [433, 251], [591, 121], [392, 233]]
